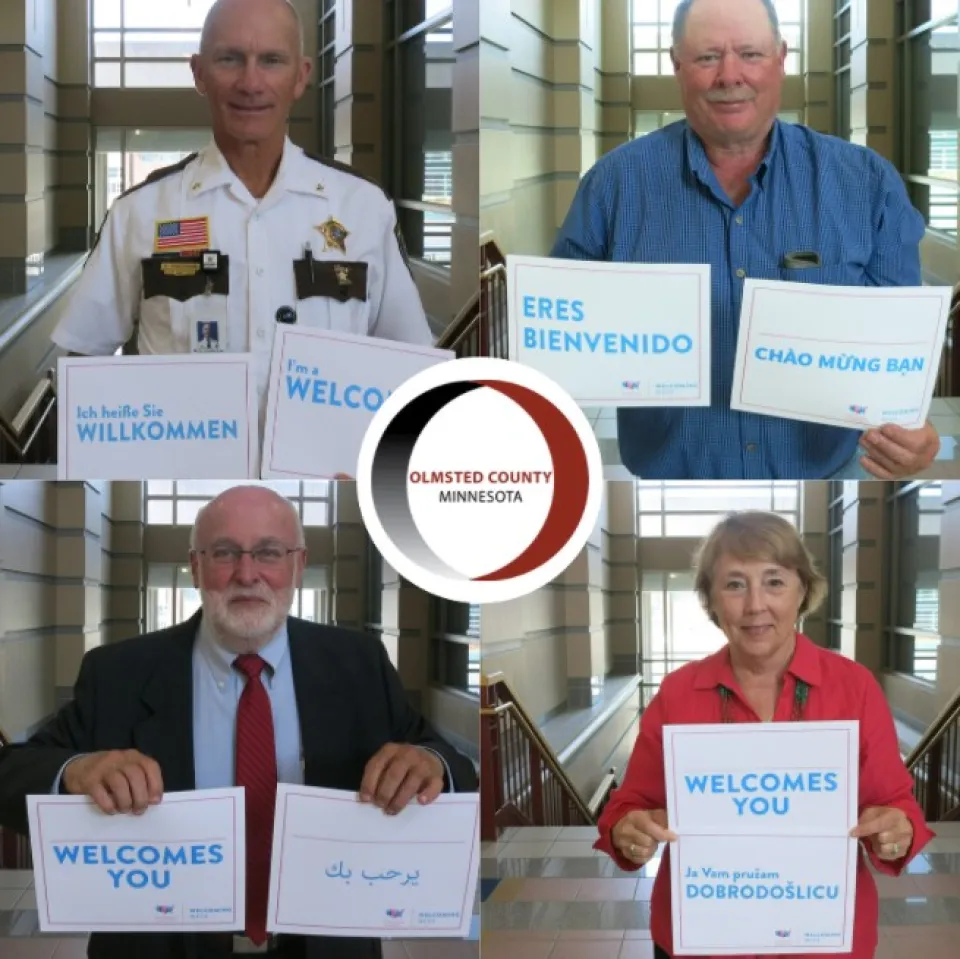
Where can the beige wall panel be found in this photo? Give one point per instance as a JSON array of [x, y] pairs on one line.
[[950, 538], [532, 54], [466, 90], [71, 648], [622, 606], [466, 183], [496, 83], [910, 696], [949, 613], [25, 604], [536, 13], [180, 109], [532, 104], [13, 173], [78, 605], [670, 553], [26, 694], [948, 672], [580, 663], [13, 24], [13, 71], [13, 121], [454, 713], [76, 101]]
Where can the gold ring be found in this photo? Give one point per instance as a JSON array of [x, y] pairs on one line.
[[633, 850]]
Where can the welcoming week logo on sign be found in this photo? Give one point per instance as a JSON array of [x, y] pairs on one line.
[[613, 334]]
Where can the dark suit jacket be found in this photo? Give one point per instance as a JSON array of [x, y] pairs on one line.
[[138, 694]]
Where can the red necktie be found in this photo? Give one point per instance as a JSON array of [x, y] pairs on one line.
[[257, 772]]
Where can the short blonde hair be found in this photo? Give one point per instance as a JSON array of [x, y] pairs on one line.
[[756, 535]]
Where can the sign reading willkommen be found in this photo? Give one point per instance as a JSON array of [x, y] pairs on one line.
[[343, 868], [842, 356], [764, 863], [613, 334], [178, 867], [157, 417], [324, 390]]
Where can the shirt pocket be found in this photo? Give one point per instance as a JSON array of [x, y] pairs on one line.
[[333, 295], [833, 273], [163, 326]]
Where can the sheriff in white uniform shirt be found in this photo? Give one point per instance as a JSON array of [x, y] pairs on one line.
[[211, 254]]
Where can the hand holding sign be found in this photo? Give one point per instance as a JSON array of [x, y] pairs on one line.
[[894, 452], [640, 832], [397, 773], [889, 830], [120, 780]]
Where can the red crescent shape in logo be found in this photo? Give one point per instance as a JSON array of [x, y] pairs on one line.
[[571, 481]]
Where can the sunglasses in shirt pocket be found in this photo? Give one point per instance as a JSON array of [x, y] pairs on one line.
[[809, 267]]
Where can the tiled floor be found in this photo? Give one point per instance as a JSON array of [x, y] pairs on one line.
[[20, 938], [944, 415], [547, 895]]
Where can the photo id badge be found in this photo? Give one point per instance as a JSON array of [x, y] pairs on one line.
[[206, 337], [208, 324]]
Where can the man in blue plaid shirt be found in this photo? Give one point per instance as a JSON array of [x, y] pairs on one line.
[[735, 187]]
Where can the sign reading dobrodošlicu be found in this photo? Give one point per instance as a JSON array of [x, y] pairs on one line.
[[178, 867], [613, 334], [157, 417], [764, 863], [324, 390]]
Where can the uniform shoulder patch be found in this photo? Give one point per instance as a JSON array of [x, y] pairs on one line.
[[161, 174], [345, 168]]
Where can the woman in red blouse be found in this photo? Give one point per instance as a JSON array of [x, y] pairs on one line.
[[755, 579]]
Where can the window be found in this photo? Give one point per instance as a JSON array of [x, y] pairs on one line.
[[177, 502], [125, 158], [456, 652], [914, 579], [145, 43], [929, 52], [693, 509], [172, 599], [326, 72], [419, 118], [652, 35], [674, 627]]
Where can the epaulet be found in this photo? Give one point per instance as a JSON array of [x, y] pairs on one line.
[[350, 171], [154, 177], [345, 168], [161, 174]]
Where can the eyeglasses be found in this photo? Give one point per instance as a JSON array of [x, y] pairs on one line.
[[261, 555]]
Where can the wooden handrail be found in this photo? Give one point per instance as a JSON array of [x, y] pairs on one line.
[[479, 329], [947, 716], [495, 684]]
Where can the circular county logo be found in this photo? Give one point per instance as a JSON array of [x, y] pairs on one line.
[[479, 480]]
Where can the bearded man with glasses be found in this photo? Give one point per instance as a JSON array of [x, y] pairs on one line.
[[241, 694]]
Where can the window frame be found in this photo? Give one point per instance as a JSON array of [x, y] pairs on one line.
[[894, 635], [664, 23], [397, 37]]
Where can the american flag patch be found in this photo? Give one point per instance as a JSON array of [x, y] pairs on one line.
[[192, 234]]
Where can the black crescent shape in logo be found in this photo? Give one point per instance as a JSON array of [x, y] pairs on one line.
[[391, 465]]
